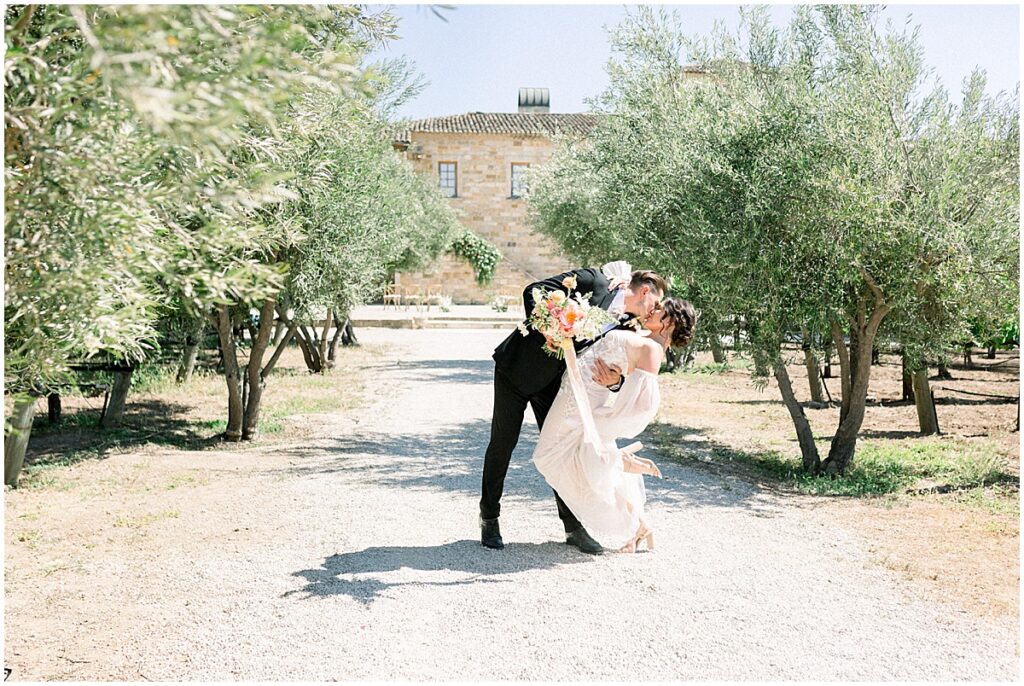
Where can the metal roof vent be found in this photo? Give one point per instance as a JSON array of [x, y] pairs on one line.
[[534, 100]]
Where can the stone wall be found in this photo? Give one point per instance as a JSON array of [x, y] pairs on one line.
[[484, 205]]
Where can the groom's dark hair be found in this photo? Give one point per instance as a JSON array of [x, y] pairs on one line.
[[648, 278]]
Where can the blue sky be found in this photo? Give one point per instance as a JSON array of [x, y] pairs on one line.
[[478, 59]]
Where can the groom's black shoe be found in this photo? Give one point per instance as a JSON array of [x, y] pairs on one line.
[[582, 540], [490, 534]]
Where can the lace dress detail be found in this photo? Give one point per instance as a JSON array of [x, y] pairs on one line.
[[608, 501], [611, 349]]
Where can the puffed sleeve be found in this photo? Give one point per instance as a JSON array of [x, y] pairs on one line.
[[633, 408]]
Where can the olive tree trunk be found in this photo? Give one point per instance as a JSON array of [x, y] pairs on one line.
[[16, 438], [193, 339], [811, 363], [315, 345], [118, 399], [856, 374], [348, 337], [808, 449], [343, 334], [246, 385], [717, 353], [232, 374], [256, 375], [908, 382], [760, 363]]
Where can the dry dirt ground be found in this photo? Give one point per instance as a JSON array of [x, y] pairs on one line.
[[344, 546], [947, 542]]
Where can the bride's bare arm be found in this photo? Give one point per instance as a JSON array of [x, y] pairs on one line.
[[649, 356]]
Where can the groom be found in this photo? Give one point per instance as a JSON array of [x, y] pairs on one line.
[[525, 374]]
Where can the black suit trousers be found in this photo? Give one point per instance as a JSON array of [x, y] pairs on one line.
[[509, 409]]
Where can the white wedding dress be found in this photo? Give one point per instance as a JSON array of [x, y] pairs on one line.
[[608, 501]]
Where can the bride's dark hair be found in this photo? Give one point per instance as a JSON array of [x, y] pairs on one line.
[[681, 313]]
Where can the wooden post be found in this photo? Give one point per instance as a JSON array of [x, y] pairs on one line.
[[53, 408], [926, 417]]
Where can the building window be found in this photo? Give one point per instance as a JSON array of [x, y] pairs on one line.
[[519, 179], [446, 172]]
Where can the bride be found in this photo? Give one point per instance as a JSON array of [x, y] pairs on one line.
[[606, 491]]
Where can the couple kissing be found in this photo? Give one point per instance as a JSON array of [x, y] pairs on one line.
[[599, 488]]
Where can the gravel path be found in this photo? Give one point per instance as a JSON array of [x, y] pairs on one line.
[[357, 557]]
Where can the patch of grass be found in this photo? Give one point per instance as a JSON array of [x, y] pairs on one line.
[[188, 416], [303, 404], [1001, 499], [154, 378], [45, 477], [879, 467], [957, 464]]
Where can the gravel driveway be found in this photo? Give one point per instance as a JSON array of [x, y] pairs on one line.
[[357, 557]]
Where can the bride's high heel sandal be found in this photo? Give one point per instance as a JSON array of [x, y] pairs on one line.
[[642, 534]]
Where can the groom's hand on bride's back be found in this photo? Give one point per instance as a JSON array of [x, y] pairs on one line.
[[605, 375]]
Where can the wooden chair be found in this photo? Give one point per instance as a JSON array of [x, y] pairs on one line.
[[435, 296], [514, 301], [413, 295], [392, 296]]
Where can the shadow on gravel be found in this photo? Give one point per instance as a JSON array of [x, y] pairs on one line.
[[448, 371], [343, 574], [451, 460]]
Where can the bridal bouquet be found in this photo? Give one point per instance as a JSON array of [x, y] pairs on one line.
[[565, 318]]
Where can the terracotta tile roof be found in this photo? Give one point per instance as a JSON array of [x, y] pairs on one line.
[[536, 124]]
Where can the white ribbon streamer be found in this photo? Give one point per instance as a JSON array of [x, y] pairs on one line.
[[590, 434]]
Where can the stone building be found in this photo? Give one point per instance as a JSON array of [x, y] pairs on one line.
[[479, 160]]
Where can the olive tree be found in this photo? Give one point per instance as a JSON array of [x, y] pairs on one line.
[[354, 210], [123, 127], [785, 184]]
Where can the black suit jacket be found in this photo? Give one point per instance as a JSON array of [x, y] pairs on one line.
[[522, 359]]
